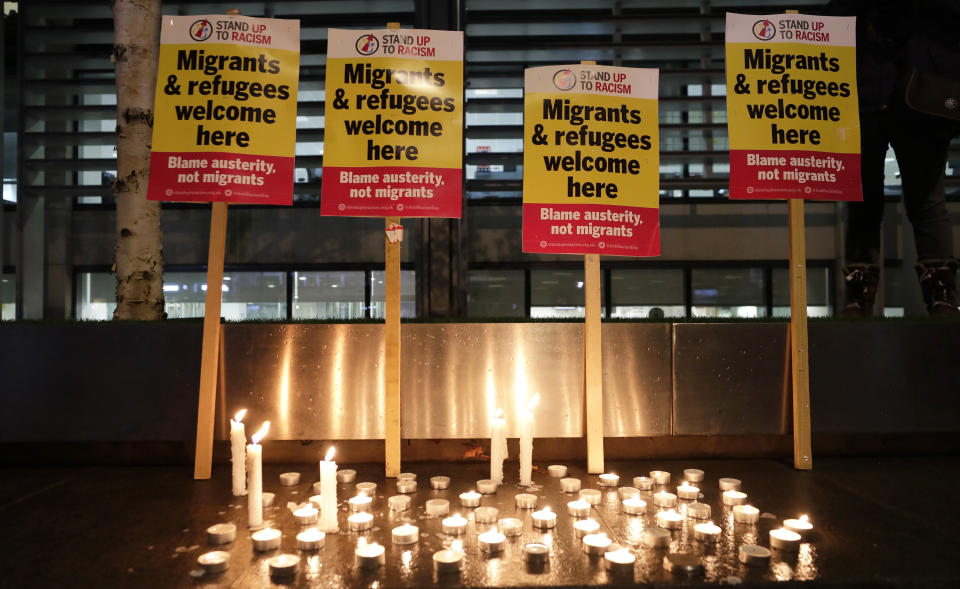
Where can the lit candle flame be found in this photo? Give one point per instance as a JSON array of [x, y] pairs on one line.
[[803, 518], [547, 509], [636, 497], [533, 402], [329, 455], [493, 530], [260, 434], [361, 542], [457, 546], [498, 414], [239, 416]]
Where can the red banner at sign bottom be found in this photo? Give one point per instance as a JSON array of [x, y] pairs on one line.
[[391, 192], [208, 176], [779, 174], [591, 229]]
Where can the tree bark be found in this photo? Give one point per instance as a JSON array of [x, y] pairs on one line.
[[139, 251]]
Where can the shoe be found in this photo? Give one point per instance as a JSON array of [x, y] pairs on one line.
[[938, 282], [861, 282]]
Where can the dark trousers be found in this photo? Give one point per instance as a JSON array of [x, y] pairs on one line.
[[920, 143]]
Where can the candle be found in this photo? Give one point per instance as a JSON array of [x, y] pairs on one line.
[[437, 507], [664, 499], [487, 486], [526, 442], [316, 501], [557, 471], [440, 483], [698, 510], [746, 514], [694, 475], [360, 522], [669, 520], [706, 532], [454, 525], [283, 565], [306, 515], [591, 496], [403, 476], [268, 499], [801, 526], [470, 499], [656, 538], [536, 554], [683, 562], [368, 489], [289, 479], [660, 477], [406, 486], [498, 446], [221, 534], [486, 515], [643, 483], [526, 501], [732, 497], [360, 503], [569, 485], [753, 555], [328, 491], [238, 442], [491, 542], [369, 556], [627, 492], [634, 505], [398, 503], [310, 539], [266, 539], [728, 484], [511, 526], [688, 491], [609, 480], [544, 519], [784, 539], [405, 534], [578, 508], [585, 526], [619, 562], [448, 561], [214, 563], [255, 473], [347, 475], [317, 488], [596, 544]]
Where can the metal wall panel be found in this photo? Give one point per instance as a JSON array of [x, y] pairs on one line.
[[637, 379]]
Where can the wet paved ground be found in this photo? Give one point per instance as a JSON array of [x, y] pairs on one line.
[[883, 522]]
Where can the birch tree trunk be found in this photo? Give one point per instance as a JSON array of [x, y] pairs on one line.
[[139, 251]]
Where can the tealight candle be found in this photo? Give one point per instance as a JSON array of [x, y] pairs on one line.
[[526, 501], [746, 514], [544, 519], [627, 492], [359, 522], [398, 503], [557, 471], [360, 503], [406, 486], [569, 485], [487, 486], [578, 508], [634, 505], [486, 515], [784, 539], [669, 520], [664, 499], [753, 555], [368, 489], [688, 491], [536, 553], [316, 501], [698, 510], [266, 539], [510, 526], [596, 544], [591, 496], [609, 480], [454, 525], [437, 507], [491, 542], [706, 532], [404, 476], [238, 441], [470, 499], [585, 526], [729, 484], [405, 534], [660, 477], [439, 483], [221, 534], [643, 483], [369, 556], [655, 538], [801, 526], [329, 476], [267, 499], [694, 475], [683, 562], [732, 497], [619, 562], [310, 539], [318, 488], [283, 565], [214, 563], [447, 561], [306, 515], [289, 479], [347, 475]]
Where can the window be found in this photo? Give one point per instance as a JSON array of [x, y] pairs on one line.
[[819, 303], [328, 295], [643, 293], [496, 293], [408, 294], [728, 292], [557, 293], [8, 296]]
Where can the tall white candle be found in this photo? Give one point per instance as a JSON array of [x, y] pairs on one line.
[[238, 441], [255, 474], [498, 446], [526, 443], [328, 491]]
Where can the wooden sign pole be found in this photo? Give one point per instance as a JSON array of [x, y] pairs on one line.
[[592, 358], [391, 371]]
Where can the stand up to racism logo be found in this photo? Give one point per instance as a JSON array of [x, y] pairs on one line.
[[367, 45], [764, 30], [201, 30]]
